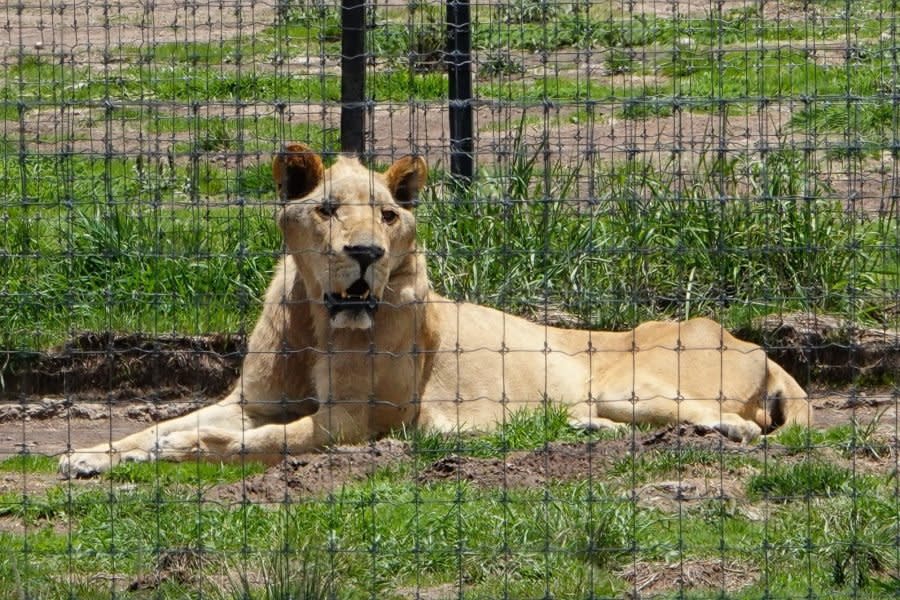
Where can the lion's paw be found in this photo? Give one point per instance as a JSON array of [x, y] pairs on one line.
[[87, 463], [593, 424], [742, 431]]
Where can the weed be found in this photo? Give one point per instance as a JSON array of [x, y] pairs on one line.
[[860, 537], [500, 62], [318, 15], [646, 106], [672, 461], [619, 61], [419, 43], [852, 439], [285, 576], [806, 479], [861, 439], [611, 534], [797, 439], [217, 137], [529, 11]]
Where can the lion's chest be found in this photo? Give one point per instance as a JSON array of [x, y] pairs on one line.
[[367, 376]]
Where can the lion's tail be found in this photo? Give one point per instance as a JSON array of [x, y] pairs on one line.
[[787, 402]]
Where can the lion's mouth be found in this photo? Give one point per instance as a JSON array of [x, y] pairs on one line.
[[357, 297]]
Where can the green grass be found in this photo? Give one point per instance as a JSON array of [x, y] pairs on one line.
[[855, 439], [522, 430], [740, 238], [710, 249], [672, 462], [687, 49], [810, 478], [389, 532], [199, 272], [28, 463], [186, 84], [190, 474]]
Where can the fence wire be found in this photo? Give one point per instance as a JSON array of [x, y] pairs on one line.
[[592, 165]]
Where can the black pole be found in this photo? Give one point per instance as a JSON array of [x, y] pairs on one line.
[[353, 76], [459, 74]]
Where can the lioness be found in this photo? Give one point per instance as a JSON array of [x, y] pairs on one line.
[[353, 343]]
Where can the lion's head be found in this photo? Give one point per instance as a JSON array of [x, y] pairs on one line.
[[350, 231]]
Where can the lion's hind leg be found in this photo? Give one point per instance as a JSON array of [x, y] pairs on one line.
[[665, 411], [584, 416]]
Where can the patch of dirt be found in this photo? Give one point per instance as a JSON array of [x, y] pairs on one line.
[[27, 485], [556, 462], [650, 580], [53, 435], [446, 591], [313, 474], [47, 408], [669, 496]]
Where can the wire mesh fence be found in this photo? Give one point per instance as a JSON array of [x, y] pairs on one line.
[[237, 363]]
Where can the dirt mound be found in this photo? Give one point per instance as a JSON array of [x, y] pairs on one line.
[[320, 473], [313, 474], [115, 366], [827, 349], [697, 436], [182, 565], [555, 462], [650, 580]]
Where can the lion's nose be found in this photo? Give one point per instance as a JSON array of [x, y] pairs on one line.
[[364, 255]]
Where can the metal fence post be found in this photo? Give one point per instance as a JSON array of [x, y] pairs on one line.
[[353, 75], [459, 74]]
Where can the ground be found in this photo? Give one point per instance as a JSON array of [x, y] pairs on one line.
[[717, 476], [47, 429]]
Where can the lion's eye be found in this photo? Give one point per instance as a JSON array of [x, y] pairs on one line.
[[326, 210], [389, 216]]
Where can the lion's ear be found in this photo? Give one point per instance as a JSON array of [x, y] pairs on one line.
[[297, 171], [406, 178]]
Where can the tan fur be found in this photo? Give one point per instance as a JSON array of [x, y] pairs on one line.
[[311, 378]]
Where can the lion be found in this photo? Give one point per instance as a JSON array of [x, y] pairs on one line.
[[353, 343]]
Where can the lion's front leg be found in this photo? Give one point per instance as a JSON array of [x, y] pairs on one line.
[[206, 442], [227, 415], [87, 462], [331, 425]]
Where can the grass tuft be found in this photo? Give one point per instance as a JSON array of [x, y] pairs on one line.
[[29, 463], [861, 538], [524, 429], [198, 473], [285, 576], [804, 480]]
